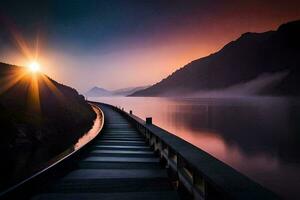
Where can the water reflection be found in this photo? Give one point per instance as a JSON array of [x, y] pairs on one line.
[[257, 136], [93, 132]]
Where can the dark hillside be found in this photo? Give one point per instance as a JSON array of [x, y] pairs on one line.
[[249, 57], [38, 116]]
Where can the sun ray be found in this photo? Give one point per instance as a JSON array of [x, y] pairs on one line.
[[52, 87], [10, 80], [34, 104], [22, 44], [36, 81], [37, 43]]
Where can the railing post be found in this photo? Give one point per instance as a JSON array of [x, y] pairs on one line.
[[185, 175], [199, 185], [149, 120], [130, 112]]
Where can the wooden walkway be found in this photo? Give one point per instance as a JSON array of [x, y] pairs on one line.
[[118, 165]]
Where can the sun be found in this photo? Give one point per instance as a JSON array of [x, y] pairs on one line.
[[34, 66]]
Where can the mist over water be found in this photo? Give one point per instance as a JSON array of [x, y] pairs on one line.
[[258, 136], [261, 84]]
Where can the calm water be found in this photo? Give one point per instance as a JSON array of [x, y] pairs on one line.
[[257, 136]]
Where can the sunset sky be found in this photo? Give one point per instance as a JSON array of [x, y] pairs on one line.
[[116, 44]]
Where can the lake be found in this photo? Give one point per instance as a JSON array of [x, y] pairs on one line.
[[259, 137]]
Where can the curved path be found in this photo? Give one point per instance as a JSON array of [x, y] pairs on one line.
[[118, 165]]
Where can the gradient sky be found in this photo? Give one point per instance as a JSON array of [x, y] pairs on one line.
[[115, 44]]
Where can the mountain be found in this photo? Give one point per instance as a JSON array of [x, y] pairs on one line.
[[100, 92], [128, 91], [40, 118], [250, 57]]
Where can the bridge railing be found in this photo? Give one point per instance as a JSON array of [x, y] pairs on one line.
[[201, 175]]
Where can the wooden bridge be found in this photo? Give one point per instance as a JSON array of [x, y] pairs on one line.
[[132, 159]]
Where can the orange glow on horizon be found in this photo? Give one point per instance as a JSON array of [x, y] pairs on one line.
[[149, 60]]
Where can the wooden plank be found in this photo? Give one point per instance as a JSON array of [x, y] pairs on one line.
[[122, 151], [169, 195], [120, 159], [115, 173]]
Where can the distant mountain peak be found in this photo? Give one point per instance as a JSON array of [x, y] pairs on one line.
[[98, 88], [101, 92], [98, 92]]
